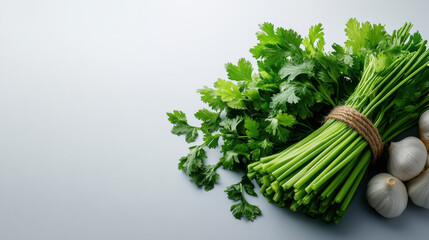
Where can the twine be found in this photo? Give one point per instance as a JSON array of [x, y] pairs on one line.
[[360, 124]]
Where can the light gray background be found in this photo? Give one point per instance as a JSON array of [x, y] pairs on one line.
[[85, 146]]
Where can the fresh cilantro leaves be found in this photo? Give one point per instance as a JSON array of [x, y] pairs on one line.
[[363, 37], [252, 127], [275, 46], [193, 162], [315, 41], [230, 94], [290, 71], [210, 120], [279, 124], [242, 71], [206, 177], [181, 126], [236, 192], [209, 96], [193, 165]]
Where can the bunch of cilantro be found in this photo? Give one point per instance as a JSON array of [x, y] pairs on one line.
[[258, 112]]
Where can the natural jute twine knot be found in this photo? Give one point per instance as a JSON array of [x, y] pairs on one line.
[[360, 124]]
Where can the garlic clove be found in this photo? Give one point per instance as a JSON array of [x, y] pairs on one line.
[[407, 158], [418, 189], [424, 128], [387, 195]]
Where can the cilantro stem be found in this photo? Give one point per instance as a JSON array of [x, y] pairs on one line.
[[305, 125]]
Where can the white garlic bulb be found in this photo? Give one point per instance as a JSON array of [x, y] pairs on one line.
[[418, 189], [427, 162], [407, 158], [424, 128], [387, 195]]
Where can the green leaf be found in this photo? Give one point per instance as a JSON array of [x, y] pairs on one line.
[[208, 95], [256, 154], [230, 94], [315, 41], [266, 146], [191, 136], [291, 71], [289, 39], [242, 149], [267, 34], [206, 115], [182, 129], [283, 134], [177, 117], [260, 148], [324, 77], [356, 35], [210, 120], [181, 126], [286, 119], [192, 162], [376, 35], [414, 42], [248, 186], [276, 130], [242, 71], [296, 98], [229, 158], [206, 177], [275, 127], [252, 127], [364, 36], [382, 62], [253, 94], [212, 141], [331, 68], [230, 124], [244, 208], [348, 60], [287, 96], [235, 152], [234, 192], [327, 89], [276, 45]]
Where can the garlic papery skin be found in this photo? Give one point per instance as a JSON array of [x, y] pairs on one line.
[[407, 158], [424, 128], [427, 162], [418, 189], [387, 195]]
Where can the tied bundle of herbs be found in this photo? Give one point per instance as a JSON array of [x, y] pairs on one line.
[[259, 112], [321, 174]]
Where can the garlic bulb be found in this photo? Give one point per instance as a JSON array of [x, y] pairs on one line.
[[418, 189], [427, 162], [387, 195], [424, 128], [407, 158]]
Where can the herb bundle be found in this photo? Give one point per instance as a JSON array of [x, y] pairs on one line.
[[260, 112], [321, 174]]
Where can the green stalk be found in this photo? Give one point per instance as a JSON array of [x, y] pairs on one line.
[[325, 157], [360, 167], [348, 155], [303, 158]]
